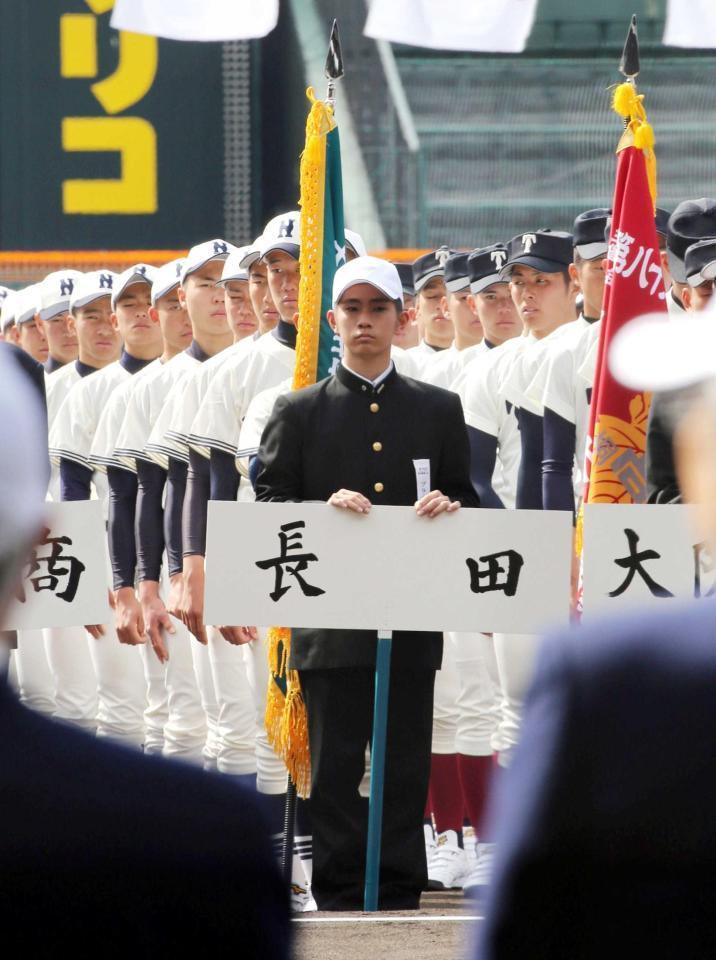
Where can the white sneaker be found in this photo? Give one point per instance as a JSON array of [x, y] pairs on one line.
[[448, 867], [477, 882], [302, 899]]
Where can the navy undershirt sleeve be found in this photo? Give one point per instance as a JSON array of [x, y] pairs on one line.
[[149, 521], [176, 488], [223, 475], [75, 480], [560, 440], [483, 455], [529, 477], [122, 508], [195, 505], [254, 469]]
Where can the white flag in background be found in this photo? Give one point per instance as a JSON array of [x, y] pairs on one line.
[[497, 26], [197, 19], [690, 23]]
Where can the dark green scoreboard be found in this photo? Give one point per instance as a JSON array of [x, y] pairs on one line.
[[121, 141]]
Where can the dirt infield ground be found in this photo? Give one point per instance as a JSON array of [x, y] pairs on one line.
[[441, 930]]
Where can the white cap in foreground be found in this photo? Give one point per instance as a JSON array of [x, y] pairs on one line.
[[381, 274], [139, 273], [27, 304], [202, 253], [655, 353], [166, 278], [23, 478]]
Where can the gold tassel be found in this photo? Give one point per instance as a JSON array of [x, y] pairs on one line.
[[579, 533], [286, 720], [630, 105]]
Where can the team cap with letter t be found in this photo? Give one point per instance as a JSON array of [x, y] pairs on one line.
[[692, 220], [457, 276], [380, 274], [55, 292], [484, 266], [654, 353], [282, 233], [429, 266], [202, 253], [405, 272], [27, 304], [548, 251], [139, 273], [700, 262], [92, 286], [166, 278], [589, 230]]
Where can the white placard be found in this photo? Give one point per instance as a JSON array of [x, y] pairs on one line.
[[642, 555], [65, 579], [388, 569]]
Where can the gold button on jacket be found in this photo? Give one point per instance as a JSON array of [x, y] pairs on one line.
[[374, 407], [377, 446], [378, 487]]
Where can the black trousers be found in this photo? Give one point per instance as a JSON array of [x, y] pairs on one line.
[[339, 704]]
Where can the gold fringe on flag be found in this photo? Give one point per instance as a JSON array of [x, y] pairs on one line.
[[286, 721], [639, 132]]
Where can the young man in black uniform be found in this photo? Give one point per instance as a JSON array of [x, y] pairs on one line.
[[352, 440]]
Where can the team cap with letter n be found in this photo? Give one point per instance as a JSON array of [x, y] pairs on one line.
[[589, 233], [139, 273], [166, 278], [282, 233], [7, 311], [202, 253], [548, 251], [233, 267], [692, 220], [354, 242], [700, 262], [457, 277], [429, 266], [484, 266], [380, 274], [27, 304], [92, 286], [55, 292]]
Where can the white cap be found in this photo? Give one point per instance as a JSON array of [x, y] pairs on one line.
[[252, 253], [23, 470], [233, 266], [656, 353], [92, 286], [202, 253], [355, 242], [138, 273], [166, 278], [55, 292], [7, 312], [3, 294], [282, 233], [27, 304], [381, 274]]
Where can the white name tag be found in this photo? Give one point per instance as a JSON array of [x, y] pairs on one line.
[[422, 477]]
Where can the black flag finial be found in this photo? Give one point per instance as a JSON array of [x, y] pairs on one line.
[[629, 63], [334, 60]]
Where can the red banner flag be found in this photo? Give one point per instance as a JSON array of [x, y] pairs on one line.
[[634, 286]]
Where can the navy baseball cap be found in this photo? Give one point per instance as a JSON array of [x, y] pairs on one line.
[[405, 272], [588, 232], [693, 220], [457, 275], [429, 266], [700, 262], [484, 266], [662, 221], [548, 251]]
